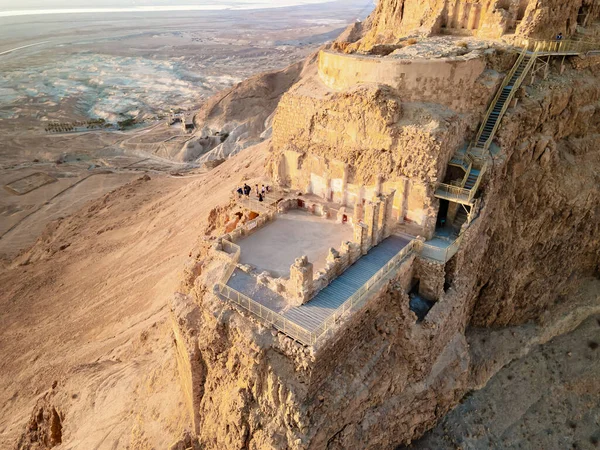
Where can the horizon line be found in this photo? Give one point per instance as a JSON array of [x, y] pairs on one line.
[[158, 8]]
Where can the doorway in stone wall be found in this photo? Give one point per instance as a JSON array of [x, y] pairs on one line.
[[442, 218]]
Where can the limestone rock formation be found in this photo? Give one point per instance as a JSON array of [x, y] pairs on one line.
[[239, 117], [394, 20]]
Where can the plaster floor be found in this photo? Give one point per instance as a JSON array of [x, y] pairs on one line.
[[275, 247]]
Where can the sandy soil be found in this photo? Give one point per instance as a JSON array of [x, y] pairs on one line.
[[275, 247], [85, 311]]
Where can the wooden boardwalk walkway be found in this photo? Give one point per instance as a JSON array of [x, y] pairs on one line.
[[311, 315]]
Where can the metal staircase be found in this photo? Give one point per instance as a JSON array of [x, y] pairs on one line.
[[461, 217], [474, 160], [501, 102]]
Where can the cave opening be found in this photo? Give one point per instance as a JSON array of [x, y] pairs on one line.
[[582, 15]]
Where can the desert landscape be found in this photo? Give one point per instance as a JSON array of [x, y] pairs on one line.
[[415, 264], [122, 67]]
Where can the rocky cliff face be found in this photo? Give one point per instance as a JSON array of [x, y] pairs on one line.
[[370, 130], [544, 202], [394, 20], [385, 379]]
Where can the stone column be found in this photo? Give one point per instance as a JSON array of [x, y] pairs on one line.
[[328, 189], [372, 221], [359, 210], [344, 194], [380, 219], [301, 278], [379, 185], [361, 232], [279, 170], [388, 216], [345, 257], [453, 208]]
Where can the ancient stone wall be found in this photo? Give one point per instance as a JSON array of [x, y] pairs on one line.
[[412, 200], [417, 80], [431, 277], [341, 340]]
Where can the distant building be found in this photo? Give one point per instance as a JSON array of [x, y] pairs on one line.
[[187, 124], [175, 118]]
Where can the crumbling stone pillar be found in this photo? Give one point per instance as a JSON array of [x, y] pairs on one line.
[[301, 278], [388, 215], [334, 263], [344, 185], [453, 208], [345, 256], [372, 221], [379, 185], [432, 277], [361, 237], [279, 174], [359, 210], [328, 189]]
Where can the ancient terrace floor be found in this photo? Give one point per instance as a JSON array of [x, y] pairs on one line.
[[283, 270], [275, 247]]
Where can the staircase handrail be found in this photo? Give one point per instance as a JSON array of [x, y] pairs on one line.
[[511, 95], [271, 317], [478, 182], [455, 192], [235, 253], [469, 160], [367, 289], [556, 46], [441, 254], [497, 96]]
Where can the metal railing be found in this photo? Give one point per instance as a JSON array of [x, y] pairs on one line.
[[515, 86], [441, 254], [299, 333], [479, 179], [476, 156], [455, 193], [234, 251], [493, 103], [556, 46], [511, 95], [271, 317], [460, 159], [362, 294], [254, 204]]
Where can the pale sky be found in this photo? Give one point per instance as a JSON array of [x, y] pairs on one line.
[[52, 4]]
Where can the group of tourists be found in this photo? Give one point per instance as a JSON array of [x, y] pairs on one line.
[[246, 190]]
